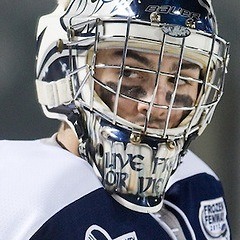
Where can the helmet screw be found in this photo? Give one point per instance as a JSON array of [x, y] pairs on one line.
[[60, 45], [70, 33], [191, 23], [155, 17], [135, 138], [171, 144]]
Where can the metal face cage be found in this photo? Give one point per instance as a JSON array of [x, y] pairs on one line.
[[206, 51]]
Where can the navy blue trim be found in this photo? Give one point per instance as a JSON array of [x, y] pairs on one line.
[[99, 208], [182, 222], [38, 44], [188, 193], [173, 12], [53, 51], [39, 40]]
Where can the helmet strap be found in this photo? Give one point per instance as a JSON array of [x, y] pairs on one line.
[[186, 145]]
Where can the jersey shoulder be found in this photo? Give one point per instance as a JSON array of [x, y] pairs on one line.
[[195, 194], [191, 165], [37, 179], [48, 193]]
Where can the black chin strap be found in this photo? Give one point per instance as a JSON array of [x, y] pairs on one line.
[[76, 118], [85, 148], [186, 145]]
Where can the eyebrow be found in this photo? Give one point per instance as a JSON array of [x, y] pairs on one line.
[[144, 60], [134, 55], [185, 66]]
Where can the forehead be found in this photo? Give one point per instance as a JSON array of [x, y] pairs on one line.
[[142, 57]]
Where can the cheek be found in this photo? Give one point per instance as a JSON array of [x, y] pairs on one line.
[[195, 86], [127, 108], [193, 92], [190, 92], [175, 118], [101, 75]]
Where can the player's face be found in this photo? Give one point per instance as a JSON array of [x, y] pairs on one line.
[[140, 85]]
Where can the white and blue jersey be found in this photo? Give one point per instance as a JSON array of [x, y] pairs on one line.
[[48, 193]]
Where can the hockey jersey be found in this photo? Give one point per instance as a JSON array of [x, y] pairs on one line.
[[48, 193]]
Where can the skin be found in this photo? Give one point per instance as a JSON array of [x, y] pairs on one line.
[[140, 85], [68, 139]]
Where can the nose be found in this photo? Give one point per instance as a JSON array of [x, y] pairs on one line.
[[155, 105]]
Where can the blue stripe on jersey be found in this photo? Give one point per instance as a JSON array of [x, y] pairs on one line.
[[183, 224], [99, 211], [187, 195]]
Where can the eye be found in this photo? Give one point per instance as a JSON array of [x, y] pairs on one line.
[[130, 74], [181, 81], [172, 80]]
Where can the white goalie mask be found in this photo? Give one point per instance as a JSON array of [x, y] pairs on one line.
[[136, 81]]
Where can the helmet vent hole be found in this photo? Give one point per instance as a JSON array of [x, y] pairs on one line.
[[99, 150]]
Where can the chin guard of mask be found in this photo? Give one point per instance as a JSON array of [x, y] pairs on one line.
[[134, 168]]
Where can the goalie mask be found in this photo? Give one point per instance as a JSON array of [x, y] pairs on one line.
[[137, 81]]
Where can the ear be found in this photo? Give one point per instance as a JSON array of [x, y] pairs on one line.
[[64, 3]]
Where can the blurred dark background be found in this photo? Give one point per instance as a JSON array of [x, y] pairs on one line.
[[21, 117]]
